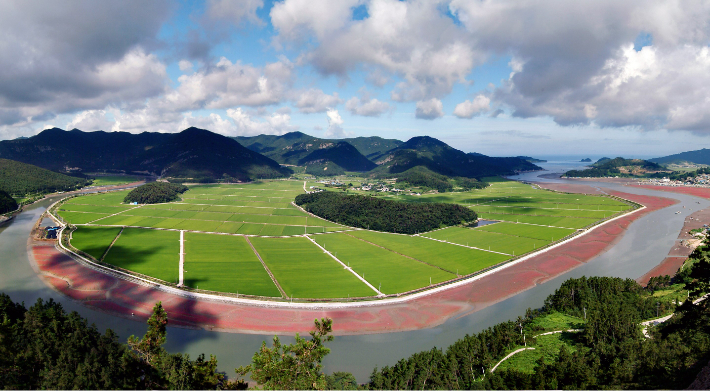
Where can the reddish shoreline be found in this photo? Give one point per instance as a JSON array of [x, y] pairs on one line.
[[124, 298]]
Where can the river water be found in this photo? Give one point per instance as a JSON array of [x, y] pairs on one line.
[[644, 246]]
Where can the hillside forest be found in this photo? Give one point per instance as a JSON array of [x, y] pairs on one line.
[[155, 193], [384, 215]]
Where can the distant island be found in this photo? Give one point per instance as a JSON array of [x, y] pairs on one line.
[[587, 160], [618, 167], [531, 159]]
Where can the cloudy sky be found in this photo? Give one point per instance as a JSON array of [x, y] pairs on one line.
[[504, 77]]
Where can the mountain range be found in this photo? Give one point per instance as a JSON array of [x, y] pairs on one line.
[[198, 155], [193, 154], [381, 157]]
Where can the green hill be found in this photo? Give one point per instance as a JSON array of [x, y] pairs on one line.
[[442, 159], [155, 193], [701, 156], [606, 167], [20, 178], [193, 154]]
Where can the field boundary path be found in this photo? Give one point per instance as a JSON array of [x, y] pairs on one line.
[[509, 356], [182, 258], [463, 245], [103, 217], [398, 253], [108, 290], [111, 245], [348, 268], [283, 293]]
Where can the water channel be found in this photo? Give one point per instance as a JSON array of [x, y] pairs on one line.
[[644, 246]]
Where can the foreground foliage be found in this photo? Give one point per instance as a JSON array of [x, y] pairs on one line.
[[384, 215], [46, 347], [297, 366], [155, 193]]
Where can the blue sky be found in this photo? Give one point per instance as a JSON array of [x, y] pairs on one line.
[[540, 78]]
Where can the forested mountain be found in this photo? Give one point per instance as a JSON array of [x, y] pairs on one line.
[[7, 203], [340, 153], [701, 156], [373, 147], [606, 167], [193, 154], [19, 179], [294, 146], [442, 159]]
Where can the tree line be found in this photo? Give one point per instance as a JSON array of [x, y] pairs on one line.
[[155, 193], [384, 215]]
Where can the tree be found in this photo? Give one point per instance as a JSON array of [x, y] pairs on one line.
[[295, 366], [151, 346]]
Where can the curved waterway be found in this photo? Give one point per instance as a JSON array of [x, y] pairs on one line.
[[645, 244]]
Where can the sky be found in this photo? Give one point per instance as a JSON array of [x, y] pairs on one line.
[[506, 77]]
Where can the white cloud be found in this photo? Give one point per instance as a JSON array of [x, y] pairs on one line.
[[315, 101], [414, 40], [575, 62], [430, 109], [233, 11], [63, 58], [90, 120], [228, 84], [335, 125], [295, 19], [367, 107], [469, 109], [246, 126], [185, 66]]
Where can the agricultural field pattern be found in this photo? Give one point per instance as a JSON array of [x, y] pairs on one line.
[[250, 240]]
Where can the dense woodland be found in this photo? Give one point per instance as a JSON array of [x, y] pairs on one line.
[[610, 351], [155, 193], [20, 179], [424, 178], [7, 203], [46, 347], [384, 215]]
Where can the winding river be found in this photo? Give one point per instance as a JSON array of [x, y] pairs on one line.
[[644, 246]]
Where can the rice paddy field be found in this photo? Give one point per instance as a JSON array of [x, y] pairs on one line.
[[249, 239]]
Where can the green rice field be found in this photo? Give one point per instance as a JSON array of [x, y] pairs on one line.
[[146, 251], [220, 222], [94, 240], [304, 271], [225, 264]]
